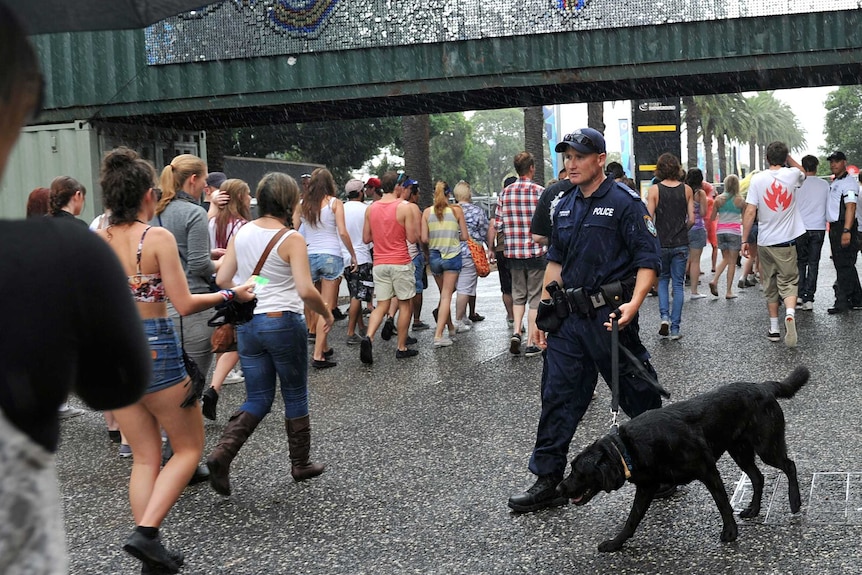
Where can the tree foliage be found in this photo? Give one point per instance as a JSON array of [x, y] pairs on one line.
[[341, 146], [844, 122]]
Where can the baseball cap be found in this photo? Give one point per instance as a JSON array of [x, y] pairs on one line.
[[409, 182], [373, 183], [509, 181], [836, 156], [305, 176], [585, 140], [353, 188], [216, 179]]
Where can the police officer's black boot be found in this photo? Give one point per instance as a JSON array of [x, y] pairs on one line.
[[541, 495]]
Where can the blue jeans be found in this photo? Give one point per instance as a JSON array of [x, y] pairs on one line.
[[808, 247], [673, 262], [273, 346]]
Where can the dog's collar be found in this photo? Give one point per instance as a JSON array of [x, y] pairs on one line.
[[625, 458]]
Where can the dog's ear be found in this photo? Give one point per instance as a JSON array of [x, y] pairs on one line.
[[610, 464]]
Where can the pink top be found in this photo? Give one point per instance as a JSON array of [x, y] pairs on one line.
[[390, 237]]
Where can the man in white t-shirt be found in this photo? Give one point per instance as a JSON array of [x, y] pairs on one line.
[[360, 283], [772, 200], [811, 204]]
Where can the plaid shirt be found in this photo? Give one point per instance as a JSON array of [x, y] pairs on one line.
[[515, 208]]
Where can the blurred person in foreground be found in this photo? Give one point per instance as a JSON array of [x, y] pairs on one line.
[[102, 356]]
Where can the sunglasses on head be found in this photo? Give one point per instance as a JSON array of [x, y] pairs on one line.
[[402, 177], [580, 138]]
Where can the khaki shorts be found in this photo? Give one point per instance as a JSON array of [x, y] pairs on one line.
[[527, 286], [396, 281], [778, 272]]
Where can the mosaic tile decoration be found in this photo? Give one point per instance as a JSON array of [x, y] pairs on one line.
[[252, 28]]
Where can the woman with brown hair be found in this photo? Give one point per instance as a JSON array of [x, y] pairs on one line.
[[273, 344], [229, 218], [151, 259], [321, 216], [67, 199]]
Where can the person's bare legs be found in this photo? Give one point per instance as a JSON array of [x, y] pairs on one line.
[[531, 325], [694, 268], [152, 492], [354, 316], [329, 293], [404, 318], [375, 320], [507, 303], [447, 288], [461, 301], [224, 363], [416, 308], [731, 271]]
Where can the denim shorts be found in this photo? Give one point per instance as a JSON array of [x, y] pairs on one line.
[[439, 265], [325, 266], [419, 272], [697, 238], [168, 367], [732, 242]]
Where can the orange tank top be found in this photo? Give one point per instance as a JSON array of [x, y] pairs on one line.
[[390, 237]]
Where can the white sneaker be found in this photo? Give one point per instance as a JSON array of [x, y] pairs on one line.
[[461, 326], [808, 306], [697, 296], [467, 321], [235, 376], [442, 342]]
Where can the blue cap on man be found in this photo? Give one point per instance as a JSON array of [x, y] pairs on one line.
[[585, 140], [409, 182]]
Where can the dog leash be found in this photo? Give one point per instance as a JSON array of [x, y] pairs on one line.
[[615, 369]]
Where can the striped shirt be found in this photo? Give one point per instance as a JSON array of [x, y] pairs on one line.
[[513, 216], [444, 236]]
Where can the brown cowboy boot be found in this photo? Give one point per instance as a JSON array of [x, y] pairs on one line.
[[239, 427], [299, 442]]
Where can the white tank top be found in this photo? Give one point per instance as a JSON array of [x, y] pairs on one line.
[[323, 238], [280, 293]]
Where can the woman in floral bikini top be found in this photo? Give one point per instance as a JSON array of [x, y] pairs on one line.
[[127, 182]]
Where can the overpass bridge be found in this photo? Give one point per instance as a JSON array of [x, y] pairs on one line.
[[274, 61]]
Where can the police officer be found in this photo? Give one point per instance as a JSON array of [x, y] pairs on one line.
[[602, 240], [843, 234]]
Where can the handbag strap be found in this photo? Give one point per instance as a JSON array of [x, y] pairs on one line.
[[268, 249]]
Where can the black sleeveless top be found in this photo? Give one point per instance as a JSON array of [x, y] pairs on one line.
[[670, 216]]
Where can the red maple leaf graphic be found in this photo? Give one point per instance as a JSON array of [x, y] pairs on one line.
[[777, 197]]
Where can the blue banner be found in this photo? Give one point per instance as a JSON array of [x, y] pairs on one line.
[[627, 158], [550, 115]]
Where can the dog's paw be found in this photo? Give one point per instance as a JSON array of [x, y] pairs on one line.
[[610, 545], [729, 533], [749, 512]]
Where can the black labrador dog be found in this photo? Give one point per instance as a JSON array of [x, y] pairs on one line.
[[682, 442]]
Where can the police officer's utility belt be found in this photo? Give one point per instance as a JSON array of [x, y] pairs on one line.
[[580, 302], [584, 304]]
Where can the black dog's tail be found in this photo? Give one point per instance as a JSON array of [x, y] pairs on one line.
[[791, 384]]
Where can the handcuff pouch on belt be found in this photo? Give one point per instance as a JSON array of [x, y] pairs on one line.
[[552, 312]]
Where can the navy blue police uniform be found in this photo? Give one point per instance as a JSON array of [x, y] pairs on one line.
[[597, 240]]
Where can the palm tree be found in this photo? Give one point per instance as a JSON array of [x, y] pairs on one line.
[[416, 137], [771, 120], [691, 117], [721, 116], [534, 140]]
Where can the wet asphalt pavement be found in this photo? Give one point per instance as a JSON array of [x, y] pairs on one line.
[[423, 453]]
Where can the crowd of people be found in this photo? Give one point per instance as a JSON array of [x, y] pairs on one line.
[[156, 262]]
